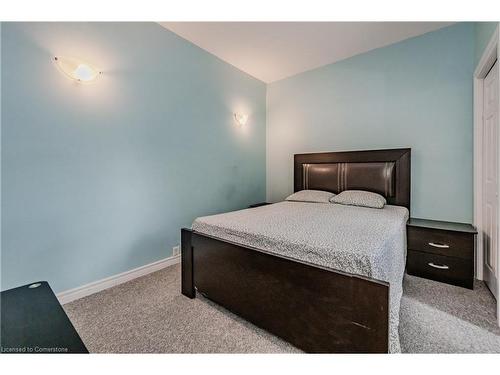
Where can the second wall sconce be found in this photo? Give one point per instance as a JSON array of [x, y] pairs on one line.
[[240, 119]]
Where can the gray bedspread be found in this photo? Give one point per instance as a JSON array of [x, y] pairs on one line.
[[362, 241]]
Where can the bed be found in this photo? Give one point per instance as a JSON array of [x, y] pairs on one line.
[[324, 277]]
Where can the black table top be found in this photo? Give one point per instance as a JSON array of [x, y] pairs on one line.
[[442, 225], [33, 321]]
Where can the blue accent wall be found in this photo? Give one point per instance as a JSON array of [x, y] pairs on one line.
[[98, 179], [416, 93]]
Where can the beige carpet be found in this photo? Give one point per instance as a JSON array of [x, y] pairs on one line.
[[149, 314]]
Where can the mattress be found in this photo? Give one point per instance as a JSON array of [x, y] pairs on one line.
[[358, 240]]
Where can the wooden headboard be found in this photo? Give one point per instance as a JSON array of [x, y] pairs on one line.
[[386, 172]]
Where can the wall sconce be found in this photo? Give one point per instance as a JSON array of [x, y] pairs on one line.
[[240, 119], [77, 70]]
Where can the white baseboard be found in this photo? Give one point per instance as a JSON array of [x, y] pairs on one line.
[[96, 286]]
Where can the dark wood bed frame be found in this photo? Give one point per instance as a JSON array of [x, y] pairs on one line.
[[316, 309]]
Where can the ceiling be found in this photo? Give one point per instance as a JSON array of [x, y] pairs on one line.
[[271, 51]]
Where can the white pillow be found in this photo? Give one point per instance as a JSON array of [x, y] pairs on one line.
[[317, 196], [359, 198]]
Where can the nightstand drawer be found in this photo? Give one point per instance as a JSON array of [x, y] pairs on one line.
[[441, 242], [451, 270]]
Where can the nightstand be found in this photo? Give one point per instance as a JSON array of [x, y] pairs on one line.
[[258, 204], [441, 251]]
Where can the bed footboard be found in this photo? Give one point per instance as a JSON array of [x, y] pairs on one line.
[[314, 308]]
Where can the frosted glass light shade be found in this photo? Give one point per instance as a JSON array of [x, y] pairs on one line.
[[240, 119], [76, 69]]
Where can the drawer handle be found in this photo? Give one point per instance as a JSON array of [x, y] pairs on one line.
[[440, 245], [441, 267]]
